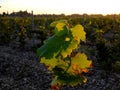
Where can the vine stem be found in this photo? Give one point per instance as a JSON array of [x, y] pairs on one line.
[[69, 64]]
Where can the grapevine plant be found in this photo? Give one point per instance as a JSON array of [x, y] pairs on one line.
[[60, 55]]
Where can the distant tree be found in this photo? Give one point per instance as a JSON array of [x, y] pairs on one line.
[[4, 14], [20, 14]]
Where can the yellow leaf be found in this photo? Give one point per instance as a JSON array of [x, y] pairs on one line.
[[79, 64], [81, 60], [78, 33], [67, 39], [60, 26], [64, 54], [51, 63], [73, 45]]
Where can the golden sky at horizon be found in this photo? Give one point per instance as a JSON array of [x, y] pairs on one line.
[[62, 6]]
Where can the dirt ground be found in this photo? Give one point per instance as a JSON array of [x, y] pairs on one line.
[[20, 70]]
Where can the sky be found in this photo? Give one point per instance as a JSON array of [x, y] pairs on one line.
[[62, 6]]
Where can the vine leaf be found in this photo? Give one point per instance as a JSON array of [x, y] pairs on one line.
[[60, 56], [81, 60], [53, 62], [79, 64], [52, 46], [78, 33], [69, 79], [53, 24]]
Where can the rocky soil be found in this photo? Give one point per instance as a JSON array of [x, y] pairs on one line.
[[20, 70]]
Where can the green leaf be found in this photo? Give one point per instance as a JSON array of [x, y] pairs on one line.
[[52, 46], [61, 30], [57, 43], [69, 79]]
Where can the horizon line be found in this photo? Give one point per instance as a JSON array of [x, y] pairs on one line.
[[60, 13]]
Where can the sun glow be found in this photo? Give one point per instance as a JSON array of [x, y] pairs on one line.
[[62, 6]]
